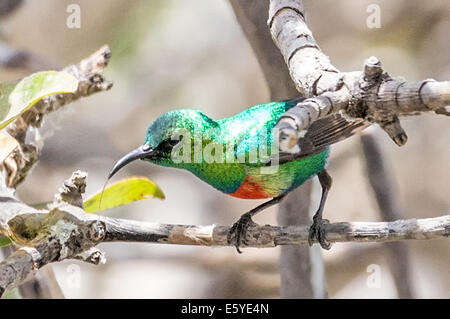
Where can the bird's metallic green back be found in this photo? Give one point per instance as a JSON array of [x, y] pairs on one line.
[[230, 154]]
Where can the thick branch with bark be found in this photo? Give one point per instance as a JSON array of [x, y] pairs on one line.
[[370, 94], [67, 232]]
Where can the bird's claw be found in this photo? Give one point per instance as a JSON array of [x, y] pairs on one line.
[[239, 230], [317, 231]]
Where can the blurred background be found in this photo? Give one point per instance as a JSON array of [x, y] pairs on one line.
[[169, 54]]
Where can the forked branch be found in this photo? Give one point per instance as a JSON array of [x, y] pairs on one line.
[[370, 94]]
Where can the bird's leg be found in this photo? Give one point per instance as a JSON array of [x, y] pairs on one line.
[[239, 228], [317, 228]]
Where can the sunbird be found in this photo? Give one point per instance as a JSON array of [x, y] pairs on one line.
[[236, 155]]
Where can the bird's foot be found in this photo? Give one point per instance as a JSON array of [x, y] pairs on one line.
[[239, 230], [317, 231]]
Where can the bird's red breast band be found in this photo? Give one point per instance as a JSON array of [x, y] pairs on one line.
[[250, 189]]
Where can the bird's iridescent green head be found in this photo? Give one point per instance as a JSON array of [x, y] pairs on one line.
[[164, 134], [168, 126]]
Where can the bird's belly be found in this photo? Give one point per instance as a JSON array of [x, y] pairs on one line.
[[258, 184], [251, 189]]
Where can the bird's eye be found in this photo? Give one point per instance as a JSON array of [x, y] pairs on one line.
[[170, 143], [174, 140]]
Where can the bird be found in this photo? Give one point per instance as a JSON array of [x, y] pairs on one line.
[[239, 156]]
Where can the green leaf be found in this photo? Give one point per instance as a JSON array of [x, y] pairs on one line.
[[123, 192], [16, 98], [5, 241]]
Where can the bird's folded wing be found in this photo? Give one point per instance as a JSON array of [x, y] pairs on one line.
[[321, 134]]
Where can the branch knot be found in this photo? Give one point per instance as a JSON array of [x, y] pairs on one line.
[[72, 189]]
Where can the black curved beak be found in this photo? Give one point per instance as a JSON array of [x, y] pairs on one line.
[[139, 153]]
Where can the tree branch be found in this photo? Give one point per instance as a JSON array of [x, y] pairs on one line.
[[271, 236], [89, 73], [371, 94], [67, 232], [86, 231]]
